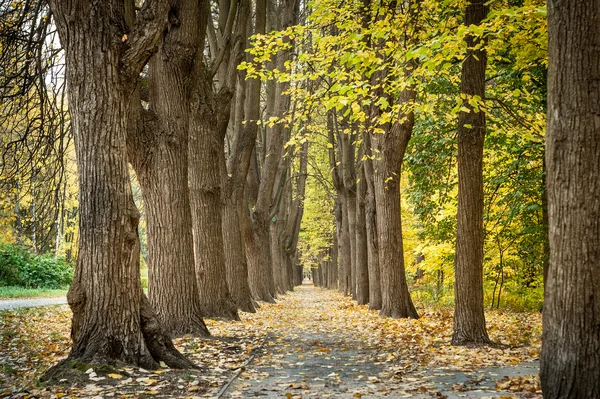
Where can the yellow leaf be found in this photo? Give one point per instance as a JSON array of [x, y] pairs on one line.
[[114, 376]]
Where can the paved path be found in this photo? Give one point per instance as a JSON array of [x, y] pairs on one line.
[[319, 348], [29, 303]]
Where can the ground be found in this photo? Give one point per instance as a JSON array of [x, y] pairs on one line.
[[312, 343]]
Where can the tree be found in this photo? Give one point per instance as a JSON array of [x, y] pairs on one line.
[[390, 142], [570, 362], [391, 146], [158, 146], [255, 228], [371, 224], [211, 108], [361, 253], [113, 320], [469, 319]]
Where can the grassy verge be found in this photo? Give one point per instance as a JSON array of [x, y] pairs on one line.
[[13, 292]]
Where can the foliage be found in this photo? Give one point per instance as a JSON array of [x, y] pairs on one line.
[[346, 48], [21, 268]]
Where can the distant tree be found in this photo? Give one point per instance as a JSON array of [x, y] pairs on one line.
[[570, 363]]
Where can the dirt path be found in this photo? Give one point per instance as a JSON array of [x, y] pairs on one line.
[[30, 303], [321, 345]]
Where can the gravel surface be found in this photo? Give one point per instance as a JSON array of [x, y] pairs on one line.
[[30, 303]]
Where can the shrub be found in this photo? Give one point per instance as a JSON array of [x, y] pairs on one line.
[[20, 268], [46, 271], [12, 260]]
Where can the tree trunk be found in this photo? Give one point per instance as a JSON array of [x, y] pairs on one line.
[[296, 210], [255, 228], [362, 262], [113, 321], [391, 146], [235, 258], [371, 224], [158, 152], [206, 143], [469, 318], [570, 362], [231, 179], [345, 254], [347, 148], [338, 241], [333, 281]]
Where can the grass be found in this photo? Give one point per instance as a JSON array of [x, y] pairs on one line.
[[12, 292]]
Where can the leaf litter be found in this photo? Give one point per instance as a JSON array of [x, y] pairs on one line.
[[312, 343]]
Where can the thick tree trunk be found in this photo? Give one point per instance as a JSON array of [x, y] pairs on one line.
[[371, 224], [172, 287], [113, 321], [260, 277], [232, 182], [347, 149], [276, 258], [255, 224], [235, 258], [158, 152], [469, 318], [362, 262], [391, 145], [333, 281], [338, 241], [345, 255], [205, 146], [570, 363], [350, 208]]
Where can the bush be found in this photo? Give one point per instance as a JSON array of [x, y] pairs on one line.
[[20, 268], [12, 260], [47, 271]]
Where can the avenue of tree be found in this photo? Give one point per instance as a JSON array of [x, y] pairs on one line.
[[444, 151]]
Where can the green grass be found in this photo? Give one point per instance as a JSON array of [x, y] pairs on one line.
[[12, 292]]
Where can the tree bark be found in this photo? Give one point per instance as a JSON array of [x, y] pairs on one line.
[[234, 205], [255, 229], [347, 149], [206, 143], [113, 321], [391, 146], [371, 224], [362, 262], [211, 112], [341, 212], [469, 317], [338, 242], [570, 362], [158, 153]]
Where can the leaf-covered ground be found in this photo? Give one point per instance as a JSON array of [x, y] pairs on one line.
[[312, 343]]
